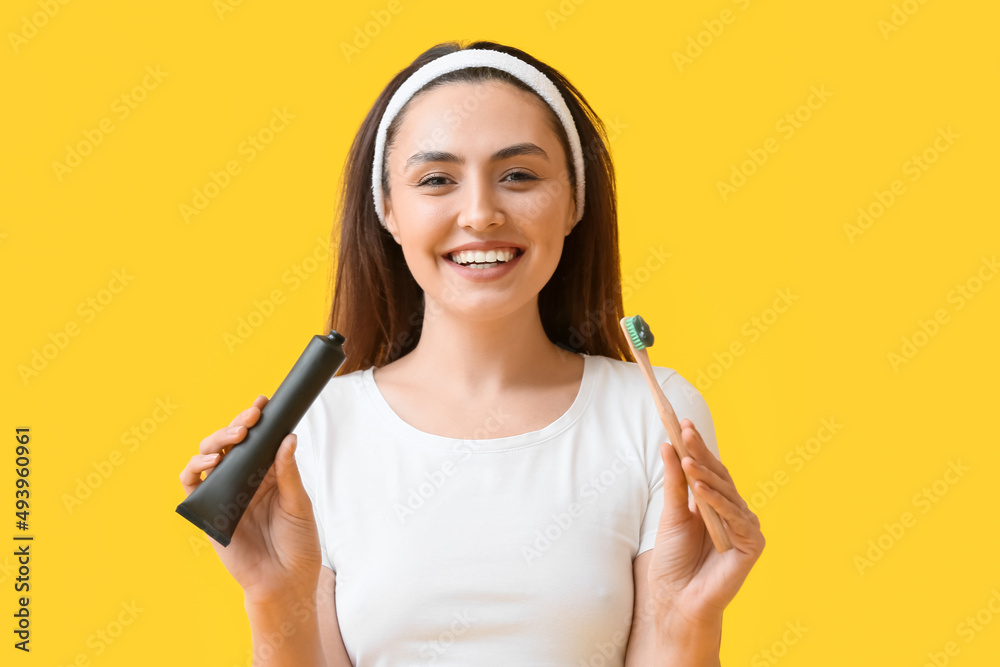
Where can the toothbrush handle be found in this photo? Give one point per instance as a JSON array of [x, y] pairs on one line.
[[713, 522]]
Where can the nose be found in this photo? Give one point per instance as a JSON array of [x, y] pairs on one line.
[[479, 208]]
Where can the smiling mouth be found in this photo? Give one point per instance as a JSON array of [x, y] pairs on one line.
[[484, 259]]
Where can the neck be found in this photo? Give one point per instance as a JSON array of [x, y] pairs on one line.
[[485, 356]]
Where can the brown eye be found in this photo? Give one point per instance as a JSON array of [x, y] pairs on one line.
[[522, 176], [430, 181]]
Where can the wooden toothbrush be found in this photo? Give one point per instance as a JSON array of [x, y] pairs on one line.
[[639, 338]]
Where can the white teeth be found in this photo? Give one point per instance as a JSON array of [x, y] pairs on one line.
[[476, 257]]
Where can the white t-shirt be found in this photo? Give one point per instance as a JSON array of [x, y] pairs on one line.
[[490, 551]]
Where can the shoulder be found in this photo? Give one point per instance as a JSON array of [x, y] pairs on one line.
[[626, 376], [626, 379]]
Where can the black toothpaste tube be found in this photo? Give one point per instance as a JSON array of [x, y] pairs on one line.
[[218, 503]]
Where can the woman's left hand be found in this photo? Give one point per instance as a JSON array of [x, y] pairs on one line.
[[688, 578]]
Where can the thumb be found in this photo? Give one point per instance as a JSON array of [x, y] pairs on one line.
[[675, 488], [292, 494]]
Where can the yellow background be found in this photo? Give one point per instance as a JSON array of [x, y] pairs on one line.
[[682, 129]]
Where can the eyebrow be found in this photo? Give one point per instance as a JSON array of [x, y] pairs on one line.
[[525, 148]]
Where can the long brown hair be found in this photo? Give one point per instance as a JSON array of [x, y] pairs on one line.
[[378, 305]]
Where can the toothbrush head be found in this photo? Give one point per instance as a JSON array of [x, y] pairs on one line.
[[638, 332]]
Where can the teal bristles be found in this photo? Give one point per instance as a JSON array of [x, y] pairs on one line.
[[639, 332]]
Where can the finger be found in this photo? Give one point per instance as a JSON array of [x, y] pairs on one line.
[[699, 450], [699, 472], [266, 484], [191, 475], [738, 520], [222, 440], [250, 416], [246, 420], [292, 494], [675, 487]]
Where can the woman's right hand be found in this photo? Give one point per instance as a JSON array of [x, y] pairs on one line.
[[274, 554]]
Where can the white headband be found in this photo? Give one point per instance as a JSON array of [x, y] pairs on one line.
[[477, 58]]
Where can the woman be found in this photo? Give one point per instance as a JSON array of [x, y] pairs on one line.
[[486, 480]]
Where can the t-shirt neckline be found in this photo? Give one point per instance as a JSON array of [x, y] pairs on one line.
[[411, 433]]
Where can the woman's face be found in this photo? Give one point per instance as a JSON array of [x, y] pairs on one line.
[[479, 166]]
